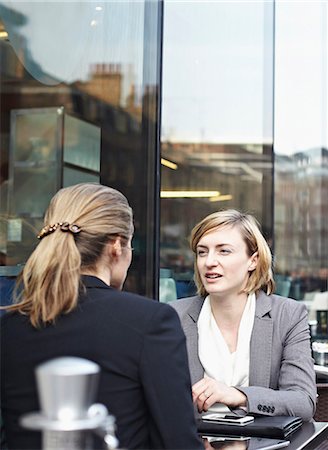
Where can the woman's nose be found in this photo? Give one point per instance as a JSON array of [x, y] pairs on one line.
[[212, 259]]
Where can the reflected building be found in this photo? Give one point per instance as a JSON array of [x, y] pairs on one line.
[[204, 178], [105, 83], [70, 132], [209, 87], [301, 211]]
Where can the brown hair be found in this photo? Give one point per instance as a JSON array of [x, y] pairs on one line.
[[51, 276], [261, 277]]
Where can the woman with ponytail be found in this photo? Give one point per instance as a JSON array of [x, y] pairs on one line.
[[68, 302]]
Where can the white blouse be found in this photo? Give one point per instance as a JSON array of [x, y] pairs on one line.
[[214, 354]]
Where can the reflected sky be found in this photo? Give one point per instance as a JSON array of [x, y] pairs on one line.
[[217, 71], [301, 80], [217, 82], [66, 38], [217, 63]]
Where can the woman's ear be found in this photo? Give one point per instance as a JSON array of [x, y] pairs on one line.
[[115, 247], [253, 261]]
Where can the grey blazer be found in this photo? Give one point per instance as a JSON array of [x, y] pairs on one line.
[[281, 369]]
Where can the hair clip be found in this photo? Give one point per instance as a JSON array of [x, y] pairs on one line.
[[48, 229], [64, 226]]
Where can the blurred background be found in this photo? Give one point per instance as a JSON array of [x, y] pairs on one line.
[[187, 108]]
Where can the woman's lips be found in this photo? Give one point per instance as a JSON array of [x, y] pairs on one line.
[[212, 276]]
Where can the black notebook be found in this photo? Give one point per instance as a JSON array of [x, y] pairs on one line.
[[273, 427]]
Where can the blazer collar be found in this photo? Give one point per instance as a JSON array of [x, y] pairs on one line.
[[194, 308], [263, 305], [261, 342], [90, 281]]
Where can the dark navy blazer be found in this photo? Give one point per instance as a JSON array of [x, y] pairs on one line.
[[140, 347]]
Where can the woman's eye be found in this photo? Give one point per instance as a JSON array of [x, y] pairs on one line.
[[201, 252], [224, 251]]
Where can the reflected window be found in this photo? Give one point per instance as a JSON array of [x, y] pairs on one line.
[[217, 122], [301, 154], [75, 107]]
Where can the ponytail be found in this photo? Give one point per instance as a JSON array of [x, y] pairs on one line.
[[79, 222], [50, 279]]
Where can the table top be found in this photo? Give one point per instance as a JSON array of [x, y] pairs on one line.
[[308, 437], [321, 370]]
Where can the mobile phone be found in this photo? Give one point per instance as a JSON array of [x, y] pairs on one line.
[[226, 438], [228, 419]]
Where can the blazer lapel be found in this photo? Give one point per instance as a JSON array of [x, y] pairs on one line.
[[261, 343], [191, 331]]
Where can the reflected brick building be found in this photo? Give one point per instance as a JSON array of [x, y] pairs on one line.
[[301, 211]]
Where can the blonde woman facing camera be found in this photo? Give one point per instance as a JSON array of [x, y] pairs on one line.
[[248, 349], [71, 305]]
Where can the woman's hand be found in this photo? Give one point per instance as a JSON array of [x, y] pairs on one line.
[[208, 391]]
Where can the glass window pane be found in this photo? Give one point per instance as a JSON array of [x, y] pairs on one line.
[[301, 150], [79, 102], [217, 121]]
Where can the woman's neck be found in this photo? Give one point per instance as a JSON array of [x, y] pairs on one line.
[[227, 313], [228, 310], [103, 275]]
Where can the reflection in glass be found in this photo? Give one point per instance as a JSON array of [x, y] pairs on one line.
[[217, 128], [93, 65], [301, 151], [48, 149]]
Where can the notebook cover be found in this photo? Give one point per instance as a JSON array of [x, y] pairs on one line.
[[275, 427]]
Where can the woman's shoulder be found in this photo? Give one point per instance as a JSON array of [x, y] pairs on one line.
[[133, 301], [184, 304], [188, 308], [9, 318], [278, 303]]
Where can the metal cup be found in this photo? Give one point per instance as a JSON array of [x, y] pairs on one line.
[[69, 418], [67, 387]]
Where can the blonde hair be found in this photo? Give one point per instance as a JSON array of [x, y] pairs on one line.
[[261, 277], [51, 276]]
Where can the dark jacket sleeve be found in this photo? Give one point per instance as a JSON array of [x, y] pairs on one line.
[[166, 383]]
